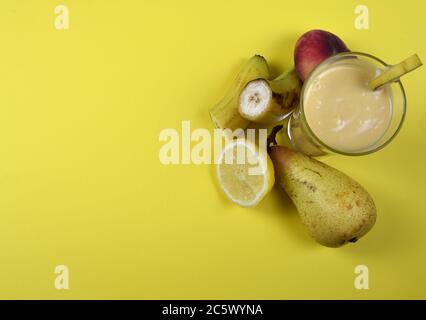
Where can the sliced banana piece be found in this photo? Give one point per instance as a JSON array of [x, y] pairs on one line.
[[225, 114], [267, 102]]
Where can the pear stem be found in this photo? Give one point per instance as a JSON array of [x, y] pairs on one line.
[[271, 141], [395, 72]]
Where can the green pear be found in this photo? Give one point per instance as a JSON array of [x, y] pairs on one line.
[[334, 208]]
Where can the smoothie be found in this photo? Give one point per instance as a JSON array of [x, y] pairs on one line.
[[341, 110]]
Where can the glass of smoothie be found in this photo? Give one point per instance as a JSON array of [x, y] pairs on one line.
[[339, 113]]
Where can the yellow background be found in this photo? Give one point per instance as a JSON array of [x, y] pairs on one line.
[[80, 179]]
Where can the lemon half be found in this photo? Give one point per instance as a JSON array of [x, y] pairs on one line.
[[244, 173]]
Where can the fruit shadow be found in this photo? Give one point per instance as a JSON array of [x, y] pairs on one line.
[[209, 99], [279, 207], [283, 45], [387, 238]]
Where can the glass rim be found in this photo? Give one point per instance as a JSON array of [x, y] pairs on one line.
[[318, 140]]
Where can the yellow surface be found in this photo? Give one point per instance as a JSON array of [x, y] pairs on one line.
[[80, 179]]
